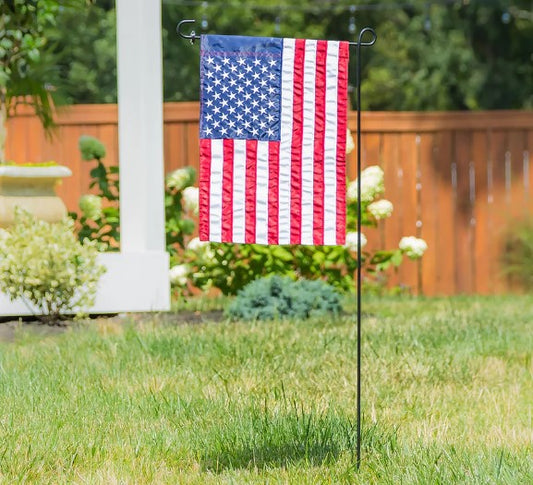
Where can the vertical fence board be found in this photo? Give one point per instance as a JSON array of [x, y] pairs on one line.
[[516, 183], [444, 207], [192, 146], [482, 237], [34, 148], [370, 149], [428, 216], [408, 152], [463, 213], [175, 146], [17, 141], [499, 205], [71, 188], [391, 168]]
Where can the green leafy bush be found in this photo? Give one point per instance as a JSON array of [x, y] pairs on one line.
[[517, 256], [99, 219], [282, 297], [44, 264], [230, 267]]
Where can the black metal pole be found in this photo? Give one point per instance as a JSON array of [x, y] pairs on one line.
[[358, 46]]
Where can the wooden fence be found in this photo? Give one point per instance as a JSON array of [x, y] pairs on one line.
[[458, 180]]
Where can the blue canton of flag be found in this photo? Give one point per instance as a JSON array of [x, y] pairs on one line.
[[240, 88]]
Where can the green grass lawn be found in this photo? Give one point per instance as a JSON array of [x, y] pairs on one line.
[[447, 398]]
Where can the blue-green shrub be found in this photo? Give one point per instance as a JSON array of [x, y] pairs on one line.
[[281, 297]]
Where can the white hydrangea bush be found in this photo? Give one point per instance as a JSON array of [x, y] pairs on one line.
[[352, 241], [374, 208], [381, 209], [199, 265], [45, 265], [413, 247], [191, 199], [179, 274], [181, 178], [372, 185]]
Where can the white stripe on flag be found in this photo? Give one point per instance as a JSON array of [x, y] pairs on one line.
[[261, 195], [215, 191], [308, 140], [239, 190], [287, 100], [330, 145]]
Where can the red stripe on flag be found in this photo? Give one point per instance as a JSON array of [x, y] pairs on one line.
[[227, 191], [297, 137], [205, 183], [320, 128], [251, 188], [273, 192], [342, 114]]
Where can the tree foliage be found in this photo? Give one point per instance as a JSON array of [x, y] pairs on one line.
[[25, 26], [438, 55]]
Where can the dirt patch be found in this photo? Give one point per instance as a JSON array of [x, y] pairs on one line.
[[10, 328], [183, 317]]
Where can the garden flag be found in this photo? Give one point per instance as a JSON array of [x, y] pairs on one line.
[[273, 140]]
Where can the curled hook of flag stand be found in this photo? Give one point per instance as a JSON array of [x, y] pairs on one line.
[[192, 36], [371, 36]]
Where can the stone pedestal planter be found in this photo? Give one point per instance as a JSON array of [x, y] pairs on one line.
[[33, 189]]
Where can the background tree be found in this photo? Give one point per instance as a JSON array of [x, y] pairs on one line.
[[83, 50], [431, 55], [24, 28]]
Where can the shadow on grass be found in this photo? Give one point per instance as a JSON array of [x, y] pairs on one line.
[[266, 439]]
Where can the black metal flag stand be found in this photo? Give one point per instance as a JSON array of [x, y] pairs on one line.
[[358, 45]]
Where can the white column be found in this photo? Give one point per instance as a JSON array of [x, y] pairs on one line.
[[140, 125], [137, 277]]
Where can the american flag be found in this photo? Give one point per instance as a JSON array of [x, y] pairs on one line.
[[272, 140]]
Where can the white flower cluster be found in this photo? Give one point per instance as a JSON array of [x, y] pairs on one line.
[[380, 209], [202, 248], [372, 185], [191, 199], [91, 206], [350, 145], [352, 242], [414, 247], [196, 245], [46, 265], [180, 178], [179, 274]]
